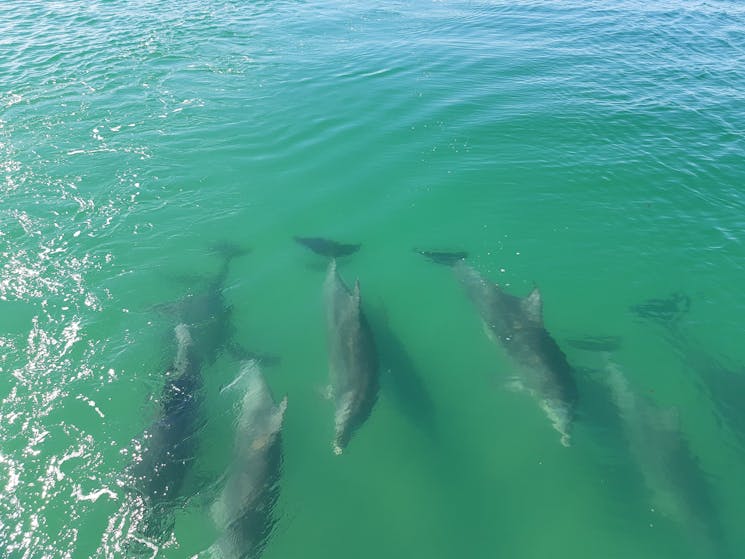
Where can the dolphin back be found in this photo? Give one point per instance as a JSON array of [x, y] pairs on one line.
[[353, 361], [244, 512]]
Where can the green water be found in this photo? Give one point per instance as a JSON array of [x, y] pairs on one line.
[[592, 149]]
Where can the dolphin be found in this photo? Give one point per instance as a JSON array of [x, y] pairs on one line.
[[516, 324], [677, 487], [353, 360], [170, 443], [208, 315], [203, 329], [243, 512], [352, 353]]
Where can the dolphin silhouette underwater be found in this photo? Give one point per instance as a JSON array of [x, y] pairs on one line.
[[516, 325], [170, 443], [676, 485], [352, 352], [243, 512]]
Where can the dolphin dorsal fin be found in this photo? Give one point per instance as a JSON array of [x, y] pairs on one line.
[[533, 306]]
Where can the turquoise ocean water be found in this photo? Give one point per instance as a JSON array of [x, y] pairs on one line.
[[592, 149]]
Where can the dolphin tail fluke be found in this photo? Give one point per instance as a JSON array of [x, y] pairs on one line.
[[327, 247], [446, 258], [229, 250]]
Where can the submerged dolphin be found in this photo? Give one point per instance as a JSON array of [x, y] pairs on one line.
[[353, 360], [207, 313], [169, 448], [516, 324], [677, 486], [244, 510], [170, 442]]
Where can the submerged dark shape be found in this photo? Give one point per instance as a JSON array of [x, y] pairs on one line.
[[401, 380], [170, 443], [678, 488], [244, 511], [726, 388], [353, 359], [668, 309], [516, 325], [724, 384], [327, 247], [596, 343], [443, 257]]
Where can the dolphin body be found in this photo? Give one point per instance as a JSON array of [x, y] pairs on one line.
[[244, 510], [677, 487], [353, 360], [208, 315], [170, 443], [516, 324]]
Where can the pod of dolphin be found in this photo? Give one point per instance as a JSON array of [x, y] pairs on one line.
[[243, 511]]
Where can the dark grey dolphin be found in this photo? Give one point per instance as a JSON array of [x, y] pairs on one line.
[[516, 324], [208, 315], [353, 360], [170, 443], [243, 513], [327, 247]]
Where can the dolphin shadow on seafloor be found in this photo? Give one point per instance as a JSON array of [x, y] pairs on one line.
[[725, 385], [677, 487], [401, 381]]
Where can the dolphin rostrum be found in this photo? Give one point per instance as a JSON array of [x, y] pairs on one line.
[[353, 360], [244, 511], [516, 324]]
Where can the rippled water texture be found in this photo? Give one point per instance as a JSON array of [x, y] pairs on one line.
[[156, 161]]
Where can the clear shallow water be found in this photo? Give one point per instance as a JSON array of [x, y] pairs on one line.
[[592, 149]]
